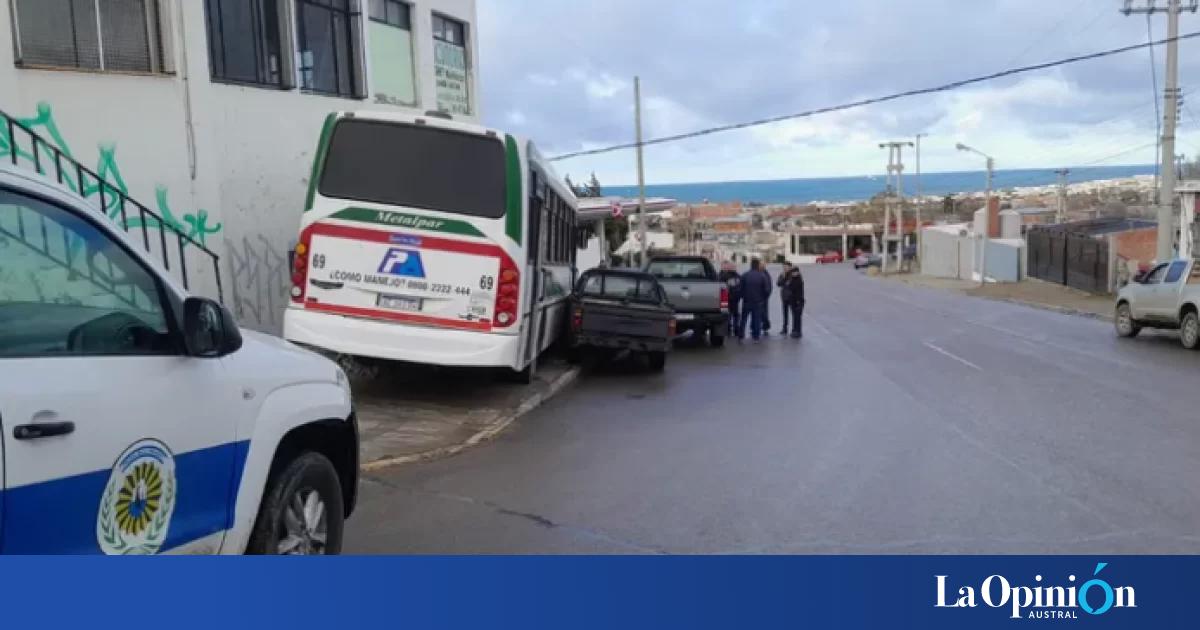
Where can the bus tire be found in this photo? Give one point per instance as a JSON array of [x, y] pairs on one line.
[[520, 377]]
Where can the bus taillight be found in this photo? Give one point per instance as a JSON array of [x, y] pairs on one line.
[[300, 266], [507, 294]]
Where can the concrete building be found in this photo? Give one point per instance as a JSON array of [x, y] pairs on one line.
[[209, 112]]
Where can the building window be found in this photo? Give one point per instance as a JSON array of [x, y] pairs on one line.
[[104, 35], [245, 42], [393, 78], [328, 36], [451, 65]]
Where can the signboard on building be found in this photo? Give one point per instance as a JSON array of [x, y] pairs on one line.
[[450, 66]]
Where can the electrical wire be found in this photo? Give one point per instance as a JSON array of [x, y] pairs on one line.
[[874, 100], [1042, 37]]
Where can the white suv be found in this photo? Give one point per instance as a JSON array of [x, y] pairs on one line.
[[138, 419]]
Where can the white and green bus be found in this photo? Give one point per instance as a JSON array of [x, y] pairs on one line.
[[428, 240]]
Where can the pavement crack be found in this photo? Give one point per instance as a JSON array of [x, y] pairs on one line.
[[531, 517]]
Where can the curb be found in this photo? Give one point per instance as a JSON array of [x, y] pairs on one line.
[[1051, 307], [498, 427]]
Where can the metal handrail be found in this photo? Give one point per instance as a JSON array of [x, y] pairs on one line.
[[122, 200]]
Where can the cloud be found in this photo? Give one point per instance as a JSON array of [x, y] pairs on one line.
[[566, 68]]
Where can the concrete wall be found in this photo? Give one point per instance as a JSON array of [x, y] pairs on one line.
[[1005, 260], [227, 163], [941, 258]]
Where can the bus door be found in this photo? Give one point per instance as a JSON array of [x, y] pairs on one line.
[[531, 323]]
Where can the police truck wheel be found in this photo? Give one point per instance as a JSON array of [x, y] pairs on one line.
[[302, 511], [1189, 331], [1125, 324]]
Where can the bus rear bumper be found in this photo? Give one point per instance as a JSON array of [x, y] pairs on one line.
[[400, 342]]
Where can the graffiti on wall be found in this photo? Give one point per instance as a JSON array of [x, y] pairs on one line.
[[260, 281], [194, 225]]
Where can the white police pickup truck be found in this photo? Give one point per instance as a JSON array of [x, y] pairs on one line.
[[1167, 296], [137, 419]]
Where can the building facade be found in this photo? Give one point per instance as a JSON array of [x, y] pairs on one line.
[[209, 111]]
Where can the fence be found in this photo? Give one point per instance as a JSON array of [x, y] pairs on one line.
[[1079, 261]]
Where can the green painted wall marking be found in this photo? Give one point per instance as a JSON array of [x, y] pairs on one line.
[[194, 225], [512, 207], [319, 159], [400, 219]]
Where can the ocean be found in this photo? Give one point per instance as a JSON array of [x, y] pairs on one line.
[[834, 189]]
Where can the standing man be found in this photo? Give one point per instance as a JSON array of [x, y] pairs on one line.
[[795, 301], [756, 290], [766, 313], [785, 294], [733, 282]]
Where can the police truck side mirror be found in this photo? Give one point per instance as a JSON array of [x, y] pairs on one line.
[[209, 329]]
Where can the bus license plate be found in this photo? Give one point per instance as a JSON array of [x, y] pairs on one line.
[[399, 303]]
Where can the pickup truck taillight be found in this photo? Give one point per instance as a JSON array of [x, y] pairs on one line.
[[671, 327], [508, 294], [724, 298], [300, 265], [577, 320]]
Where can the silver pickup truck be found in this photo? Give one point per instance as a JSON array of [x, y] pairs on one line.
[[700, 300], [1167, 296]]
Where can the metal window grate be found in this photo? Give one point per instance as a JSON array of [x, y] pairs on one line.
[[328, 38], [391, 12], [106, 35], [244, 41]]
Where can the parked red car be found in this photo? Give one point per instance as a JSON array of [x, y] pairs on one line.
[[829, 258]]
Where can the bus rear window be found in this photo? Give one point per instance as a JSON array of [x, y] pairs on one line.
[[417, 167]]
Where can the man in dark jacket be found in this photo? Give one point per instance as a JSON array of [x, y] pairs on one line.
[[733, 282], [795, 301], [785, 294], [756, 290]]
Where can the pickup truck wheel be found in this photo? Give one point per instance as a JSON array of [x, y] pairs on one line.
[[658, 360], [302, 511], [1125, 324], [1189, 331]]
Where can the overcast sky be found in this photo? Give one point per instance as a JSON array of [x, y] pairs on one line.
[[560, 72]]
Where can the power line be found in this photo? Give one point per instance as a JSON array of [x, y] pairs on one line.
[[876, 100], [1042, 37]]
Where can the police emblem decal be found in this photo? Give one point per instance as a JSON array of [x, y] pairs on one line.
[[138, 501]]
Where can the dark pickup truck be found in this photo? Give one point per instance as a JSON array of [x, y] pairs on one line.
[[700, 299], [618, 309]]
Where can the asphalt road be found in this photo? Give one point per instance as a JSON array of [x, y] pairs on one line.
[[908, 420]]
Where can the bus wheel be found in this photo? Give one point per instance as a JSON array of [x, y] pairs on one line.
[[522, 377]]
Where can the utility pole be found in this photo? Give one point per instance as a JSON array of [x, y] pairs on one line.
[[1061, 215], [637, 121], [894, 210], [920, 200], [1166, 195]]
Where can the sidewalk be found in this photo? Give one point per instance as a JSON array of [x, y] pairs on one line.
[[1031, 292], [408, 413]]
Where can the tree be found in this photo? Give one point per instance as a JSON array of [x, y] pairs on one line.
[[593, 187]]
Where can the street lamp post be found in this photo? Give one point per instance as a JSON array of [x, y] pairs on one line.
[[987, 209], [920, 200]]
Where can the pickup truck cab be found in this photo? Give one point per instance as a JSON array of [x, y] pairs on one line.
[[1167, 296], [700, 299], [613, 310], [138, 419]]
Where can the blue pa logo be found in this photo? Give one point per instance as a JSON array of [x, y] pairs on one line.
[[402, 262]]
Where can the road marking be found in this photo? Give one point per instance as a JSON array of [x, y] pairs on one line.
[[947, 353]]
